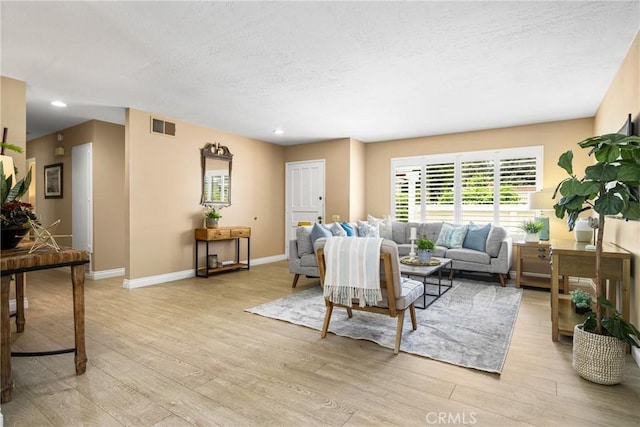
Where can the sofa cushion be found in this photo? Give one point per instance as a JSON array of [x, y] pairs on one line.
[[319, 231], [430, 230], [469, 255], [305, 245], [384, 226], [366, 229], [348, 228], [451, 236], [476, 237], [337, 230], [494, 240]]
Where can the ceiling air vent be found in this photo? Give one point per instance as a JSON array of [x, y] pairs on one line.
[[165, 128]]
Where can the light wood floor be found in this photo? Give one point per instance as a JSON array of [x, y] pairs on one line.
[[185, 353]]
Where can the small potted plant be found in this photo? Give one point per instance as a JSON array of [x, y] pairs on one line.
[[581, 301], [425, 249], [532, 228], [212, 216]]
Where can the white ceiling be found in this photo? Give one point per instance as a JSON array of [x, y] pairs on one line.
[[319, 70]]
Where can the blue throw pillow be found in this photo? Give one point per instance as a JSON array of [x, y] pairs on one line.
[[319, 231], [476, 237], [348, 229]]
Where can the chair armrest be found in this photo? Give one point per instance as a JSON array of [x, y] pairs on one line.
[[505, 256]]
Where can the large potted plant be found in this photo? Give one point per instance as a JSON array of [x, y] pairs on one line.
[[600, 342], [15, 216]]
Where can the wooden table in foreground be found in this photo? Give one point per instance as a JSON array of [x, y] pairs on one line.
[[569, 258], [19, 261]]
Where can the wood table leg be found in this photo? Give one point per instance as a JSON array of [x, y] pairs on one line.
[[21, 279], [6, 378], [77, 278]]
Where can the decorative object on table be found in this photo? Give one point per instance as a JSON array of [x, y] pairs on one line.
[[408, 260], [532, 228], [583, 231], [425, 249], [53, 181], [42, 236], [213, 261], [212, 216], [581, 301], [14, 214], [542, 201], [606, 188], [412, 239]]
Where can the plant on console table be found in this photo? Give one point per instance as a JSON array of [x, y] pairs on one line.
[[425, 249], [599, 344], [15, 216], [532, 228], [212, 216]]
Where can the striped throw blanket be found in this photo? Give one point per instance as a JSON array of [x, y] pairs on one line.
[[353, 270]]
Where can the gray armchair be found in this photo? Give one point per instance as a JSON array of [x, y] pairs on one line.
[[302, 258]]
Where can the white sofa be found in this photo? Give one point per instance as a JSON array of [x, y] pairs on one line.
[[495, 260]]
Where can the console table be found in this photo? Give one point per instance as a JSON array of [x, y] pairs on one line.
[[18, 261], [570, 258], [209, 235]]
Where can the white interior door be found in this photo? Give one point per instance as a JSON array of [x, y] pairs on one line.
[[304, 196], [82, 197]]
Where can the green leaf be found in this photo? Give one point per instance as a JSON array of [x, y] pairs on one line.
[[566, 162], [601, 172], [632, 211], [588, 188], [570, 187], [608, 153], [609, 204], [628, 172]]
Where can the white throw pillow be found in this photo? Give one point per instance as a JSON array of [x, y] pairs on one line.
[[384, 226], [367, 230]]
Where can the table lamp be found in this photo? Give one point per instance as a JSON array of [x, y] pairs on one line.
[[542, 201]]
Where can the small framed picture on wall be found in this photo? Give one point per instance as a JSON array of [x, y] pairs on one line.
[[53, 181]]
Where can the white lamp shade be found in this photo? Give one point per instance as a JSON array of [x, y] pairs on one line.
[[541, 200]]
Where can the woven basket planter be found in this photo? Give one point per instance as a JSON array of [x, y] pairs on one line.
[[598, 358]]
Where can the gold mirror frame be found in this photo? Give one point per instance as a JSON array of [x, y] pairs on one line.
[[218, 158]]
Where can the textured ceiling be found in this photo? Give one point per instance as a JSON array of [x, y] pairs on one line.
[[319, 70]]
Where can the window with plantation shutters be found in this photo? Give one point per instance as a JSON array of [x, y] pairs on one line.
[[482, 186]]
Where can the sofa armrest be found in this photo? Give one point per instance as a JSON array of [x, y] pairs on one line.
[[502, 263], [293, 253]]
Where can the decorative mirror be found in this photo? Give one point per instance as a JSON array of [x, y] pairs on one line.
[[216, 162]]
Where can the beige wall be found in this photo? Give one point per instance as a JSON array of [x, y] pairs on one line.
[[162, 190], [108, 187], [13, 116], [622, 98], [555, 137], [337, 156], [357, 181]]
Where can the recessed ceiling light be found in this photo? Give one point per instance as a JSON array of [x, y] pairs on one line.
[[278, 131], [58, 104]]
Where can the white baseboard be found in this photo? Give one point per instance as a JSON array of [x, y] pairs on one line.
[[104, 274], [178, 275], [156, 280], [13, 306]]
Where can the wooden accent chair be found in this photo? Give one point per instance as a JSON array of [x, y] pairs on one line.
[[398, 293]]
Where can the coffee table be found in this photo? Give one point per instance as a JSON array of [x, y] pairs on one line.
[[422, 272]]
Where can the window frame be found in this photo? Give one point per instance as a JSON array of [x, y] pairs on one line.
[[457, 159]]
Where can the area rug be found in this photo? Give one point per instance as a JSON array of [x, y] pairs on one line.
[[470, 326]]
